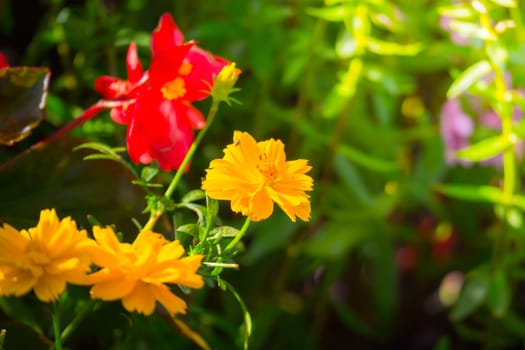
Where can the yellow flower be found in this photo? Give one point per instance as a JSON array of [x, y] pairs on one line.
[[253, 175], [43, 258], [137, 273]]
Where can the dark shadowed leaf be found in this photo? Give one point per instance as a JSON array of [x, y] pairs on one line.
[[23, 93], [55, 176]]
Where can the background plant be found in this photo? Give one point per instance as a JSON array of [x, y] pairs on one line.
[[356, 87]]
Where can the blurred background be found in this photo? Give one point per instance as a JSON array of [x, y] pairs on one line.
[[355, 87]]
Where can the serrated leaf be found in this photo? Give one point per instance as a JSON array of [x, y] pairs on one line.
[[193, 195], [468, 77], [148, 173], [472, 296], [485, 149], [189, 229], [23, 92], [222, 231]]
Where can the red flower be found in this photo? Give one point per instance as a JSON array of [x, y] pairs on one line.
[[156, 104], [3, 61]]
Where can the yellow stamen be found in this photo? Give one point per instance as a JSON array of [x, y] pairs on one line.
[[185, 69], [174, 89]]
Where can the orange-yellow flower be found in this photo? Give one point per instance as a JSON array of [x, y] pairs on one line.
[[253, 175], [43, 258], [137, 273]]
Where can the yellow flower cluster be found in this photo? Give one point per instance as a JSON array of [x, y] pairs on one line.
[[253, 175], [47, 257]]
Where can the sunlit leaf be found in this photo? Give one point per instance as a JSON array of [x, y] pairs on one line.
[[485, 149], [23, 92], [471, 75], [330, 13], [381, 47], [505, 3]]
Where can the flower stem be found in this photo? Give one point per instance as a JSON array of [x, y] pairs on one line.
[[56, 328], [237, 238], [155, 214], [66, 333]]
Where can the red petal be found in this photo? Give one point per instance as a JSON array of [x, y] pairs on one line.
[[192, 115], [165, 130], [110, 87], [205, 67], [165, 66], [133, 64], [166, 35], [3, 61], [138, 149], [120, 115]]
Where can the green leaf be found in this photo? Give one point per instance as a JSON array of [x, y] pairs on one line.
[[474, 193], [350, 176], [386, 48], [365, 160], [498, 298], [488, 194], [485, 149], [193, 195], [458, 11], [472, 296], [222, 231], [148, 173], [468, 77], [189, 229], [18, 310], [23, 92], [330, 13], [505, 3]]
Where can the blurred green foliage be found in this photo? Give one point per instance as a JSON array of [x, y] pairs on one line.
[[355, 87]]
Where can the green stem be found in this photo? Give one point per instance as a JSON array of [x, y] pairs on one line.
[[241, 233], [66, 333], [155, 214], [56, 328]]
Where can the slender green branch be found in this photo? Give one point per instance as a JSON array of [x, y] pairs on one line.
[[56, 328], [155, 214], [240, 234], [66, 333]]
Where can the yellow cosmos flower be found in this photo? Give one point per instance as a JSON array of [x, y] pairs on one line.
[[43, 258], [253, 175], [137, 273]]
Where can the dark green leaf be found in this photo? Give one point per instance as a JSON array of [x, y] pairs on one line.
[[23, 93]]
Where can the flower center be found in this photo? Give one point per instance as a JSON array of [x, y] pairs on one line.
[[174, 89], [267, 169]]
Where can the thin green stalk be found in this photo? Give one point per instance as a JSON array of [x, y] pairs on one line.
[[66, 333], [56, 328], [155, 214], [241, 233]]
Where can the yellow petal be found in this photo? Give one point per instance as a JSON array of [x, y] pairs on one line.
[[49, 287], [140, 299], [170, 301], [261, 206], [113, 288]]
